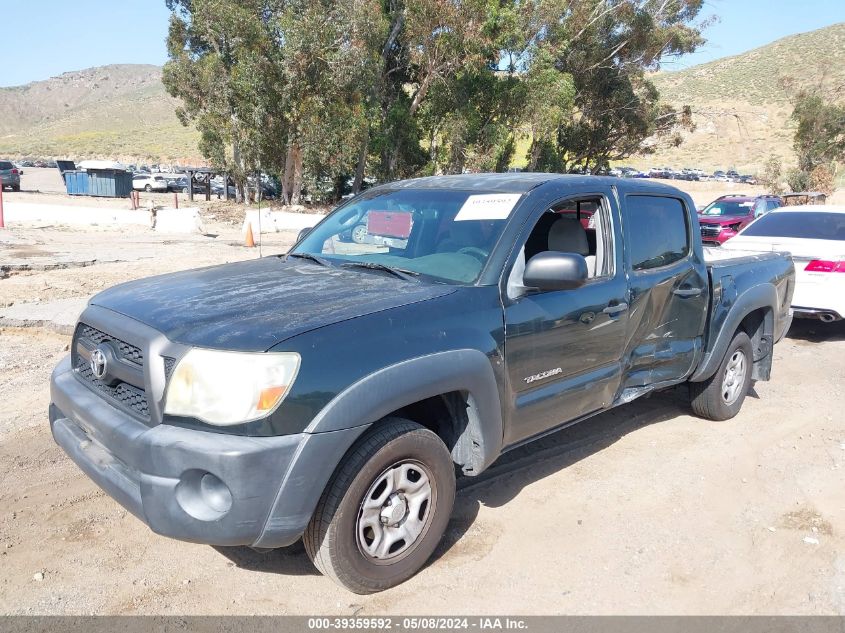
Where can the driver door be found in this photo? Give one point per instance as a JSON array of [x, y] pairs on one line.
[[564, 348]]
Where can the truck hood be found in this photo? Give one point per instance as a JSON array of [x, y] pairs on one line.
[[256, 304]]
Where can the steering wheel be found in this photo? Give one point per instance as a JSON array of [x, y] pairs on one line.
[[474, 251]]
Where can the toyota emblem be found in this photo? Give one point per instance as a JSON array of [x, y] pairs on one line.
[[98, 364]]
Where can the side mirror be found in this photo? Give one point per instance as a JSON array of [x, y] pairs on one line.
[[555, 271], [303, 233]]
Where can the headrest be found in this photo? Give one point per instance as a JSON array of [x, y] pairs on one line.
[[568, 236]]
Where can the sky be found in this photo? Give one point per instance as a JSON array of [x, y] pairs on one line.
[[77, 34]]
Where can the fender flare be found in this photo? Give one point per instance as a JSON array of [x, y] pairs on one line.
[[396, 386], [756, 297], [341, 422]]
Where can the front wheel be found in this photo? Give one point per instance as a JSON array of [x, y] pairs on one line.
[[720, 397], [385, 510], [148, 188], [359, 233]]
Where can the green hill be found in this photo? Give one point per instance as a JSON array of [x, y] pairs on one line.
[[119, 111], [740, 105]]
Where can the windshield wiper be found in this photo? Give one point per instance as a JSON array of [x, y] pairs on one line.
[[402, 273], [310, 257]]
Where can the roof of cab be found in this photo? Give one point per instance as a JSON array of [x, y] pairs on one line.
[[521, 182]]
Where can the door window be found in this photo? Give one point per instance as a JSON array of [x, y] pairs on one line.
[[658, 234], [581, 226]]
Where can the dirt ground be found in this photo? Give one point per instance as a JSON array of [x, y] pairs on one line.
[[644, 509]]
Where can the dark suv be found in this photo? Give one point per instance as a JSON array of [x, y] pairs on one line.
[[9, 176], [727, 215]]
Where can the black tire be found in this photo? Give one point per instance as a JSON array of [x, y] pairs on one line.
[[333, 537], [358, 233], [148, 188], [709, 398], [185, 190], [16, 188]]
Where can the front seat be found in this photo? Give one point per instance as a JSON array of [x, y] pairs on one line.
[[567, 235]]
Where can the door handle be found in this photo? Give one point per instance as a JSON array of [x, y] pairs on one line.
[[616, 308], [687, 292]]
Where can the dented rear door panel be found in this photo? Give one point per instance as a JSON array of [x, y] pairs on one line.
[[669, 307]]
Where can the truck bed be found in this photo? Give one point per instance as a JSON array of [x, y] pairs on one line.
[[737, 276], [717, 256]]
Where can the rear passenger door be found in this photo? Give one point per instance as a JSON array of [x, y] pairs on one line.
[[669, 290]]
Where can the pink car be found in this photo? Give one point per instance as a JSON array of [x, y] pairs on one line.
[[726, 216]]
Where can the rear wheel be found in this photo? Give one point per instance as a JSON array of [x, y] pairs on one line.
[[16, 187], [148, 188], [385, 510], [720, 397]]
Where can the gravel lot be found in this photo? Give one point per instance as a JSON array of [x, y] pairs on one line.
[[644, 509]]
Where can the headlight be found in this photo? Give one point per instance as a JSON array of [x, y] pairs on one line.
[[226, 388]]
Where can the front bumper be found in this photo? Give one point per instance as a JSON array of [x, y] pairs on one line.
[[191, 485], [711, 237]]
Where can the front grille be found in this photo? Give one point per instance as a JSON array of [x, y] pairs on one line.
[[130, 397], [124, 394], [710, 231], [128, 352]]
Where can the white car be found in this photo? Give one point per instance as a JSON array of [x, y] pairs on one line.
[[149, 182], [815, 237]]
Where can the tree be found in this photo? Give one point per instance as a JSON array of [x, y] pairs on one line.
[[820, 132], [320, 91], [772, 176], [607, 47], [221, 67]]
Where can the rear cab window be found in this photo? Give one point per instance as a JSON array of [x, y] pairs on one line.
[[657, 231], [4, 164]]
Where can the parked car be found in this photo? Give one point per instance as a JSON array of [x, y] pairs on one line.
[[180, 185], [149, 182], [329, 394], [723, 218], [10, 176], [815, 237], [217, 189]]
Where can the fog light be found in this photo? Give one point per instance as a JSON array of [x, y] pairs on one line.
[[215, 493], [203, 495]]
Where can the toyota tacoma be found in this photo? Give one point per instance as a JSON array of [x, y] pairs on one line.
[[332, 394]]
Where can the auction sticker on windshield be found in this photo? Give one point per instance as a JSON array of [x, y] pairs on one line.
[[493, 206]]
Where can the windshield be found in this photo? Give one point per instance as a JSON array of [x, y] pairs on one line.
[[443, 235], [809, 225], [724, 208]]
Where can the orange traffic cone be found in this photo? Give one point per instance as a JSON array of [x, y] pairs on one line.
[[250, 240]]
